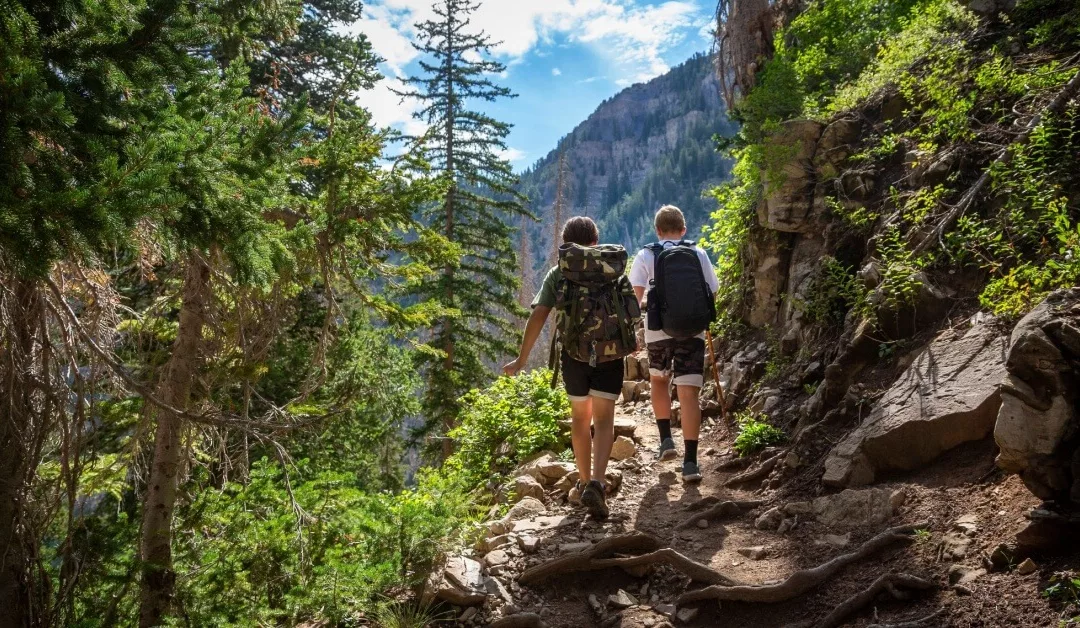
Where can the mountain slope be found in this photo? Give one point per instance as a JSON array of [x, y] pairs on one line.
[[649, 145]]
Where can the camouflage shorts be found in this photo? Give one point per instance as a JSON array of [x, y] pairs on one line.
[[684, 358]]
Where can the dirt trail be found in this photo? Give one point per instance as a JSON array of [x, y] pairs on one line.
[[653, 500]]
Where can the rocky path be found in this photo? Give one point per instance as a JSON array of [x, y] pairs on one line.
[[757, 537]]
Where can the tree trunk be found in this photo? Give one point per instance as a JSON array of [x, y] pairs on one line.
[[448, 332], [21, 427], [155, 543]]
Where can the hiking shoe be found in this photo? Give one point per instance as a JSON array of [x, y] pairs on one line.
[[574, 496], [690, 472], [667, 451], [593, 499]]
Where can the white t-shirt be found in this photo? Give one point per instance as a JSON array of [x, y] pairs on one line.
[[641, 273]]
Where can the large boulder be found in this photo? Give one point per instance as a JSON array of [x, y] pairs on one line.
[[948, 396], [1036, 428]]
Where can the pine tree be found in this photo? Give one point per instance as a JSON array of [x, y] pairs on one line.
[[463, 145]]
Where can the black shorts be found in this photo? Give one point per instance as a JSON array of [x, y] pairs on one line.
[[683, 358], [583, 381]]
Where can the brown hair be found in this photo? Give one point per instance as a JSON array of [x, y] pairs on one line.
[[669, 219], [580, 230]]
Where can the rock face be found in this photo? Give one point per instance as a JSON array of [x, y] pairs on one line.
[[948, 396], [1036, 428]]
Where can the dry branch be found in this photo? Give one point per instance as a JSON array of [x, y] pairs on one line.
[[758, 473], [726, 509], [854, 604], [801, 581], [593, 559]]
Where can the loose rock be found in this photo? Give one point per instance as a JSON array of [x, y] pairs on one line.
[[1027, 567], [757, 552], [622, 599], [623, 448]]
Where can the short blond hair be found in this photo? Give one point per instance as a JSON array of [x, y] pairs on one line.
[[669, 219]]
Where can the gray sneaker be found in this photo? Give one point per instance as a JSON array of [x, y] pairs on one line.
[[593, 499], [667, 451], [690, 472]]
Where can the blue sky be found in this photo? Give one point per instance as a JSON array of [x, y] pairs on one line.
[[563, 57]]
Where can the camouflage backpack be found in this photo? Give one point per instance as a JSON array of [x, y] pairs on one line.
[[596, 309]]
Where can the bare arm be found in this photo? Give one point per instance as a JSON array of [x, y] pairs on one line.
[[640, 292], [532, 332]]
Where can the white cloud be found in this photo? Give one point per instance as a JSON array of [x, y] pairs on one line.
[[389, 110], [630, 36], [512, 154], [556, 72]]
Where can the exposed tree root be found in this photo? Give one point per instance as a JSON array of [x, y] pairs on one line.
[[889, 582], [758, 473], [929, 620], [801, 581], [593, 559], [725, 509]]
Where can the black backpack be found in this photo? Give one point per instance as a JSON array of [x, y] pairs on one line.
[[681, 304]]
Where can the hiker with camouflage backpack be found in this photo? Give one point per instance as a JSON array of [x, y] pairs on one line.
[[681, 284], [596, 316]]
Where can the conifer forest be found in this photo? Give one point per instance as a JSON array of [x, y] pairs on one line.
[[252, 330]]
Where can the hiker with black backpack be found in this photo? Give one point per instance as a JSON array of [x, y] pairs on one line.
[[596, 316], [681, 283]]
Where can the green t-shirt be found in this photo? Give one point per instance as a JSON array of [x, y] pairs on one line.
[[546, 296]]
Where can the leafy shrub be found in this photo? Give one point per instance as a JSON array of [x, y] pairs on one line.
[[500, 425], [728, 230], [834, 292], [755, 433], [245, 560], [1031, 245]]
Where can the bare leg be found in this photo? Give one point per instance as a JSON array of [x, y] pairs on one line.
[[690, 411], [661, 396], [604, 423], [581, 438]]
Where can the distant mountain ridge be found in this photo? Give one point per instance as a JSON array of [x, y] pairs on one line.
[[648, 145]]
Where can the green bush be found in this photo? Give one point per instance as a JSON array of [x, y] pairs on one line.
[[755, 433], [504, 423], [243, 559]]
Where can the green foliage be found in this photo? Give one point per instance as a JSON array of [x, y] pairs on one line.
[[931, 26], [478, 291], [504, 423], [727, 234], [755, 433], [1031, 244], [251, 564], [834, 292]]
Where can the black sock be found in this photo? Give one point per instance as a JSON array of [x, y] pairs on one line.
[[691, 451], [664, 425]]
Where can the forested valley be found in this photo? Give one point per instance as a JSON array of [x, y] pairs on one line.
[[249, 338]]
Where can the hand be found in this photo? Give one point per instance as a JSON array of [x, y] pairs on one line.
[[512, 368]]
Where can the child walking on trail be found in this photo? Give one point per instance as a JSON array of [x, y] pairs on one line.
[[596, 315], [680, 305]]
